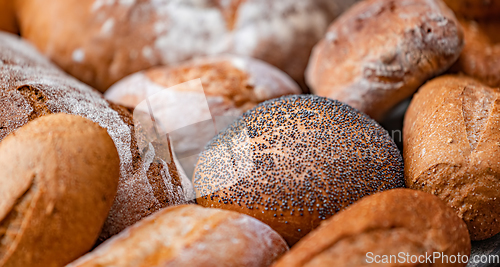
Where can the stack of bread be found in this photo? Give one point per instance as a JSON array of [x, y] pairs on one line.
[[177, 133]]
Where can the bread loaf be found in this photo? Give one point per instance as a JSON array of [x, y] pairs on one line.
[[380, 51], [31, 87], [8, 21], [118, 38], [294, 161], [190, 235], [58, 181], [386, 224], [229, 86], [452, 146], [475, 9]]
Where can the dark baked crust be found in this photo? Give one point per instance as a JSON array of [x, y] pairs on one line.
[[31, 87], [387, 223], [452, 146], [295, 161], [380, 51]]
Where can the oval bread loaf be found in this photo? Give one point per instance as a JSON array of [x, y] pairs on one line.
[[189, 235], [58, 181], [452, 149], [380, 51], [397, 221]]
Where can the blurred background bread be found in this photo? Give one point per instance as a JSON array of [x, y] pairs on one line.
[[193, 113], [32, 87], [58, 182], [294, 161], [100, 42], [380, 51], [452, 146], [8, 20], [387, 223], [475, 9], [189, 235]]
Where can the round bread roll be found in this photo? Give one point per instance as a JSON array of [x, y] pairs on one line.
[[475, 9], [481, 55], [380, 51], [31, 87], [58, 181], [295, 161], [118, 38], [231, 85], [190, 235], [397, 221], [452, 146], [7, 16]]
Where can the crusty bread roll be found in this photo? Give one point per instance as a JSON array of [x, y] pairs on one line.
[[380, 51], [8, 20], [230, 85], [190, 235], [295, 161], [388, 223], [58, 181], [481, 55], [475, 9], [117, 38], [452, 149], [31, 87]]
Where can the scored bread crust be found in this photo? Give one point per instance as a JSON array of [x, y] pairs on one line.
[[189, 235], [58, 181], [379, 52], [451, 149], [387, 223], [31, 87], [117, 38]]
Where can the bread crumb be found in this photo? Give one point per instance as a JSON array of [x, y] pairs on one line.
[[450, 140]]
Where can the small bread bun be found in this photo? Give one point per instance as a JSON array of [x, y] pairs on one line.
[[481, 55], [190, 235], [389, 223], [475, 9], [8, 21], [231, 85], [58, 181], [295, 161], [452, 146], [118, 38], [380, 51]]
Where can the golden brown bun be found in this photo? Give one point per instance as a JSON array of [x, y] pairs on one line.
[[294, 161], [58, 181], [380, 51], [475, 9], [100, 42], [452, 146], [231, 85], [31, 87], [481, 55], [190, 235], [8, 21], [388, 223]]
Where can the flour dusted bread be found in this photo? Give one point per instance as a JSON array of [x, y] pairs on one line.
[[452, 146], [228, 86], [190, 235], [294, 161], [117, 38], [387, 223], [31, 87], [58, 181], [380, 51]]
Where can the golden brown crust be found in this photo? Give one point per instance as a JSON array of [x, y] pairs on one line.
[[387, 223], [380, 51], [190, 235], [59, 179], [481, 55], [32, 87], [475, 9], [451, 149], [294, 161]]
